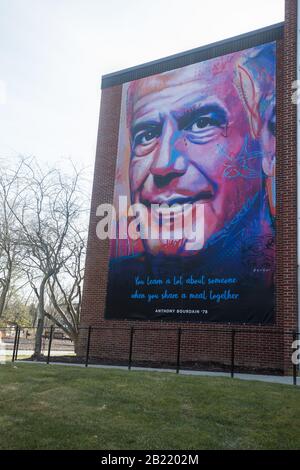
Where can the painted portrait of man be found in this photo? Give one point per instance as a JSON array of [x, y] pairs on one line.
[[201, 136]]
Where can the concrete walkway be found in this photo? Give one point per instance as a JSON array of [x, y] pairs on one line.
[[285, 380], [26, 352]]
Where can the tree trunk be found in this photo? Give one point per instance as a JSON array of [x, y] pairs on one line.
[[75, 339], [41, 321], [3, 296]]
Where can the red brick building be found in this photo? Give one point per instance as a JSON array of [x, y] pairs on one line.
[[200, 344]]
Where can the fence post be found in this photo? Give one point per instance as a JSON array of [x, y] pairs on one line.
[[88, 346], [15, 344], [130, 348], [178, 350], [295, 365], [18, 342], [50, 343], [232, 352]]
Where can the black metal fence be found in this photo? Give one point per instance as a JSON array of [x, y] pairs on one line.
[[230, 350]]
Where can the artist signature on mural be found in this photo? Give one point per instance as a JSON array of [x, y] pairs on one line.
[[258, 254]]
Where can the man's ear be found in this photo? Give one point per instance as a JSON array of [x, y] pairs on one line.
[[250, 98], [268, 165], [268, 140], [268, 146]]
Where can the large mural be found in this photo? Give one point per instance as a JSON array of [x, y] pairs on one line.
[[192, 236]]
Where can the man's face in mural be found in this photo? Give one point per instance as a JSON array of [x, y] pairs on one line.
[[193, 142]]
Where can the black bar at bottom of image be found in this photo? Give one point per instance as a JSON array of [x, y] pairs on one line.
[[140, 458]]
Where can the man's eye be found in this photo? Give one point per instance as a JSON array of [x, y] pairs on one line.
[[203, 123], [146, 137]]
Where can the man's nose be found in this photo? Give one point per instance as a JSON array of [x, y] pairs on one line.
[[169, 162]]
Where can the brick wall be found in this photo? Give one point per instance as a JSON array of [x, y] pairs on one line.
[[264, 348], [287, 183]]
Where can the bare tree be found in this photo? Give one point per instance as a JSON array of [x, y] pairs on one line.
[[10, 247], [65, 289], [51, 204]]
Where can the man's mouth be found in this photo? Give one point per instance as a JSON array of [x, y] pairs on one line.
[[179, 200]]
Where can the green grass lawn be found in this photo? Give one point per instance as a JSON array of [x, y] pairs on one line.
[[56, 407]]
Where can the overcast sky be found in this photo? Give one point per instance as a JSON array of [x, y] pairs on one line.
[[53, 53]]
